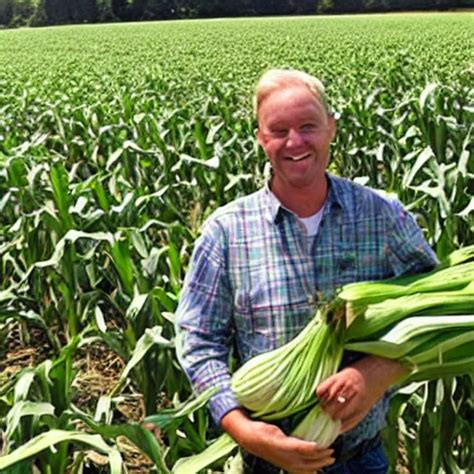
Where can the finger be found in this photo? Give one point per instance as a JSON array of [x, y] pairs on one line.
[[323, 388], [319, 464], [336, 387], [308, 449], [319, 457], [337, 403], [340, 411], [344, 396], [314, 454], [344, 393]]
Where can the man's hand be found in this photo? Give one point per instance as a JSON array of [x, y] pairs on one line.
[[351, 393], [268, 442]]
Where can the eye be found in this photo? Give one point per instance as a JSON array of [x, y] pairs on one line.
[[279, 132], [308, 127]]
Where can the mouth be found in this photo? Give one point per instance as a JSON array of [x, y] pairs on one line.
[[298, 157]]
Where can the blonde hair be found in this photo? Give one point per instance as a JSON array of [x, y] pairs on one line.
[[275, 79]]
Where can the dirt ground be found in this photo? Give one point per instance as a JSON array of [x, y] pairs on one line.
[[97, 372]]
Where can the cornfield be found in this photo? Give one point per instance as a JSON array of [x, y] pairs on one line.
[[116, 143]]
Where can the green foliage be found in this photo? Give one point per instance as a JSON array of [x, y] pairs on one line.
[[116, 143], [14, 13]]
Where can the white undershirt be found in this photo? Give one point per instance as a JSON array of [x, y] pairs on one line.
[[312, 222]]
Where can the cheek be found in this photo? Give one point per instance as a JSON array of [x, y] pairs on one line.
[[322, 145], [272, 150]]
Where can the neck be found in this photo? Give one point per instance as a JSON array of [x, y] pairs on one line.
[[304, 202]]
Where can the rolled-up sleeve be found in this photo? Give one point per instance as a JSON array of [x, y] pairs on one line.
[[409, 251], [204, 320]]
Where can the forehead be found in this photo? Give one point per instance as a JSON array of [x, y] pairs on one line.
[[290, 103]]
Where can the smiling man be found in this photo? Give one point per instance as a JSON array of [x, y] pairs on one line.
[[265, 262]]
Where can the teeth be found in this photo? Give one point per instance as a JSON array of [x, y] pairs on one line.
[[298, 158]]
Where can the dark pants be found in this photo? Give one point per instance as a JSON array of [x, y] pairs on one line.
[[370, 461]]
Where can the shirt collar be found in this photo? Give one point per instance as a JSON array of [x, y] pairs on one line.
[[274, 207]]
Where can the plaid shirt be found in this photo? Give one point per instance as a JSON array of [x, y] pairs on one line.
[[256, 278]]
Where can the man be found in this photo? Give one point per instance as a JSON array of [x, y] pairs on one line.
[[262, 265]]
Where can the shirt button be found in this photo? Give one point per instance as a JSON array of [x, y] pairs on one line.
[[311, 300]]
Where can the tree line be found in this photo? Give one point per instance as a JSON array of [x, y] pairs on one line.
[[15, 13]]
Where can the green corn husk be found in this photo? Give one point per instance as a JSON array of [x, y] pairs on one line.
[[454, 273], [428, 346], [397, 350], [282, 382], [378, 317], [251, 383], [415, 326], [319, 427]]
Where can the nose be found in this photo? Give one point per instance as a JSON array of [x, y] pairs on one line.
[[294, 138]]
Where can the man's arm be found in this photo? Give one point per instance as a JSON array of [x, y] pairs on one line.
[[268, 442], [204, 320], [407, 250]]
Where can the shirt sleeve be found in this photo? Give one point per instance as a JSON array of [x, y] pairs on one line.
[[409, 253], [204, 320]]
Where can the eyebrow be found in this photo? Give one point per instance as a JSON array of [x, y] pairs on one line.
[[304, 121]]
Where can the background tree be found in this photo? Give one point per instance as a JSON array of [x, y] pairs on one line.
[[39, 17], [83, 11], [6, 12], [325, 6], [136, 9], [57, 12], [217, 8], [120, 9], [376, 5], [23, 10], [238, 8], [273, 7], [306, 7], [104, 11], [160, 10]]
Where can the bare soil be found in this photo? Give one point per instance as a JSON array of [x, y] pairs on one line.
[[97, 372]]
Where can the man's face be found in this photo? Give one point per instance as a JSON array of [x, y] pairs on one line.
[[295, 132]]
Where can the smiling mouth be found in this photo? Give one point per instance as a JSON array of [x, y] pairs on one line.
[[298, 158]]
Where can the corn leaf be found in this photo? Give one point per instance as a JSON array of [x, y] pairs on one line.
[[220, 448], [26, 408], [54, 437]]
